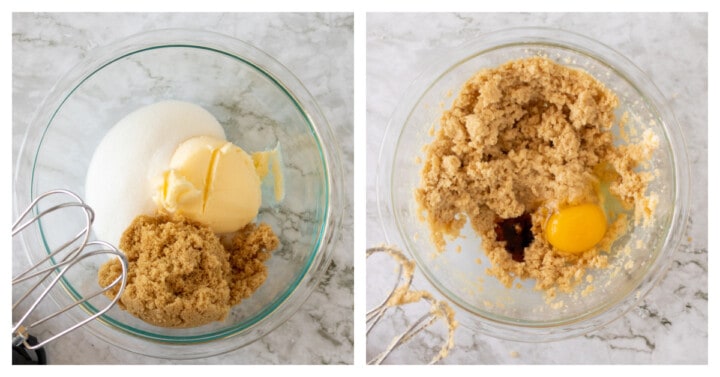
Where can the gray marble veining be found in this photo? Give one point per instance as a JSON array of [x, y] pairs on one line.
[[318, 49], [671, 323]]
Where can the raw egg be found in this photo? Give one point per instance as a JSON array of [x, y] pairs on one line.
[[576, 229]]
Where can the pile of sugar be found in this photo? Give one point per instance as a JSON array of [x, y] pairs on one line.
[[181, 275]]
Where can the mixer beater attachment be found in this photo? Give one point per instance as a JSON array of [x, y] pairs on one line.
[[401, 295], [51, 270]]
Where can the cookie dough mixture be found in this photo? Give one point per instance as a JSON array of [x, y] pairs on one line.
[[180, 273], [521, 142]]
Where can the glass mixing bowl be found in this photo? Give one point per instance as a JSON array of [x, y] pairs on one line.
[[260, 105], [521, 313]]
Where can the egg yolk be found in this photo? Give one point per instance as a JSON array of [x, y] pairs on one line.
[[576, 229]]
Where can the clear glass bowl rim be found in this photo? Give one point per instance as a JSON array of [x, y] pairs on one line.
[[95, 60], [538, 36]]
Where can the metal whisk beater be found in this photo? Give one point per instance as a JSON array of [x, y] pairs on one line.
[[439, 309], [51, 269]]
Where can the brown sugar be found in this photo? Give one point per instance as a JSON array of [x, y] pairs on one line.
[[249, 249], [525, 139], [181, 275]]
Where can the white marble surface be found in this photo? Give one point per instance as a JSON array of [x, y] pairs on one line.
[[670, 325], [318, 49]]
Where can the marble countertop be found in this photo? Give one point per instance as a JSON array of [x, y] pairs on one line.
[[318, 49], [670, 324]]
